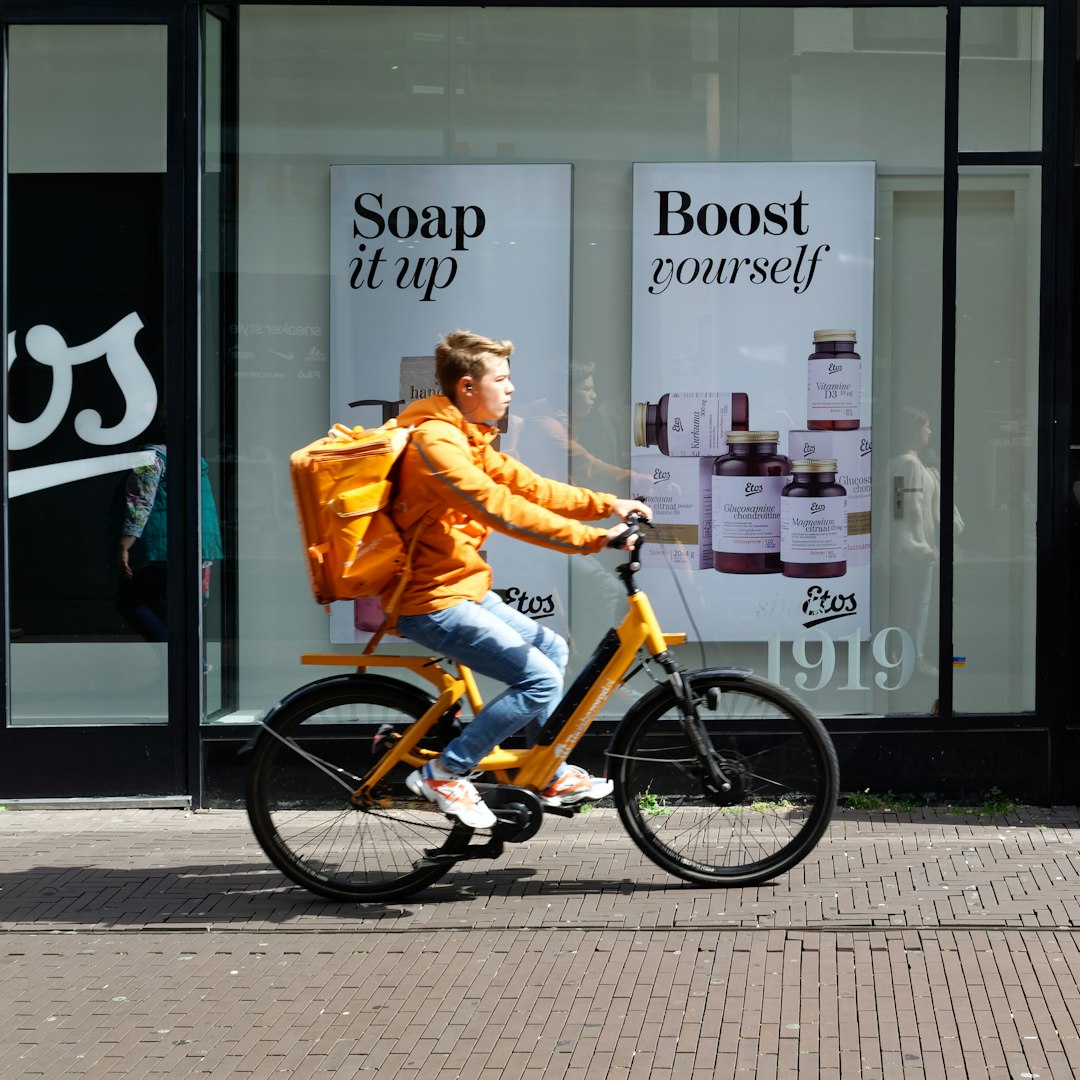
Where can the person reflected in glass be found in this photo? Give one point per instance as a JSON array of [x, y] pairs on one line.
[[142, 550], [917, 550], [545, 437]]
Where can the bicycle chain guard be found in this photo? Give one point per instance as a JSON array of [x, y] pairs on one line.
[[519, 811]]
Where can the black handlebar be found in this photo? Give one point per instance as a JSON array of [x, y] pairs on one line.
[[631, 566], [633, 522]]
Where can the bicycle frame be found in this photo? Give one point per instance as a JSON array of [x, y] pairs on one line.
[[533, 767]]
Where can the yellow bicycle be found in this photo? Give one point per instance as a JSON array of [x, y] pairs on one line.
[[721, 777]]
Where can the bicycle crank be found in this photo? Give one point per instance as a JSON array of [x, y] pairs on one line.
[[519, 811], [519, 815]]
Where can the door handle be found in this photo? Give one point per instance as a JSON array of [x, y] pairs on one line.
[[898, 493]]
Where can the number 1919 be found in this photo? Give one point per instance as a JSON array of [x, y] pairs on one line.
[[830, 651]]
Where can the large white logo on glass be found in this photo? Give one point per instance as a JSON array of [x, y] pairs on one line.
[[47, 346]]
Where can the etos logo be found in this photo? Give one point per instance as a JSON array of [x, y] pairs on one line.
[[116, 348], [536, 607], [822, 606]]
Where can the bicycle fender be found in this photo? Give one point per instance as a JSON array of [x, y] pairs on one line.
[[406, 691], [726, 672], [665, 690]]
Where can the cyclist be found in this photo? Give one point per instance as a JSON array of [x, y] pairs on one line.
[[455, 488]]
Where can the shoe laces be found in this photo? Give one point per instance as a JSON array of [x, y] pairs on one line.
[[454, 779]]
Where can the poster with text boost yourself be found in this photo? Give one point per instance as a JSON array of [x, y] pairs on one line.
[[750, 430], [417, 251]]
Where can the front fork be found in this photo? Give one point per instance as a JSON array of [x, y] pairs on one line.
[[713, 775]]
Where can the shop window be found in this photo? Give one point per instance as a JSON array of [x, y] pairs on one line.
[[603, 89], [86, 361]]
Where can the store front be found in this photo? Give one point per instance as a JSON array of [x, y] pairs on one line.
[[202, 296]]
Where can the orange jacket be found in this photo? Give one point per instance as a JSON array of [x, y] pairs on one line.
[[455, 489]]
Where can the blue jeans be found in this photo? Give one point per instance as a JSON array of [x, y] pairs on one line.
[[495, 640]]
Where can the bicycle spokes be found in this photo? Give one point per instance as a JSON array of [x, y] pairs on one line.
[[732, 797]]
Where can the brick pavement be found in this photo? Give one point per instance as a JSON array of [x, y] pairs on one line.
[[146, 943]]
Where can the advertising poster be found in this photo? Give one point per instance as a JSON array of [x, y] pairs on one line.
[[750, 433], [417, 251]]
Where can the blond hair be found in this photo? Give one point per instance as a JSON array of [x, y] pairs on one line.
[[465, 353]]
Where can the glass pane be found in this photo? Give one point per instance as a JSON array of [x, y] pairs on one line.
[[1001, 77], [65, 117], [214, 281], [907, 416], [600, 89], [997, 365], [213, 78], [86, 427]]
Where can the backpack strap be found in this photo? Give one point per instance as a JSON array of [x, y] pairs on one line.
[[390, 611]]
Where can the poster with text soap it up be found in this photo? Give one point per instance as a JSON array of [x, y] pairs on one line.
[[735, 266], [417, 251]]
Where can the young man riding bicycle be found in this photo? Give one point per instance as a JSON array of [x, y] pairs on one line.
[[454, 489]]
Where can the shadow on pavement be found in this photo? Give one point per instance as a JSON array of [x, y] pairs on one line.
[[194, 896]]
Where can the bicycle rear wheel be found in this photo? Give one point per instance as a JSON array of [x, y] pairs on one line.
[[308, 761], [776, 756]]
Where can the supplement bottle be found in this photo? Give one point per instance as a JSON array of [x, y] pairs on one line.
[[813, 521], [690, 425], [747, 483], [833, 382]]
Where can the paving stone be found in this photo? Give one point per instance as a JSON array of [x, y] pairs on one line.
[[157, 943]]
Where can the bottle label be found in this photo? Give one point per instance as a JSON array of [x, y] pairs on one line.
[[833, 389], [697, 424], [813, 530], [746, 514]]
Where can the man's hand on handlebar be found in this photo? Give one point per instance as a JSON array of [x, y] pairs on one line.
[[624, 507], [627, 536]]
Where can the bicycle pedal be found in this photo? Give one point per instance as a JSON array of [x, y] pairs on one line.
[[384, 738]]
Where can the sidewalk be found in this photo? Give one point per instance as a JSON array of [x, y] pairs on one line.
[[139, 943]]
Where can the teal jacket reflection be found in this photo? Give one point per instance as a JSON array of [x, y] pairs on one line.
[[146, 512]]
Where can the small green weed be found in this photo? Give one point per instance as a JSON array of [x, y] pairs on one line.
[[864, 800], [995, 804], [652, 805]]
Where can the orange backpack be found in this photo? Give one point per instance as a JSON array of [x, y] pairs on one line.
[[343, 485]]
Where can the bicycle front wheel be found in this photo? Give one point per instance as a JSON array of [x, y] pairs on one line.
[[308, 762], [779, 768]]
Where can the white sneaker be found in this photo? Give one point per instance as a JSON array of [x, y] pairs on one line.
[[454, 795], [575, 785]]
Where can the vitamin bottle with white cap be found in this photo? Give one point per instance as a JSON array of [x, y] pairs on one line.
[[833, 382], [746, 487], [690, 424], [813, 521]]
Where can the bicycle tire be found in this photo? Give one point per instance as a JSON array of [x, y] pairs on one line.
[[316, 746], [777, 755]]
